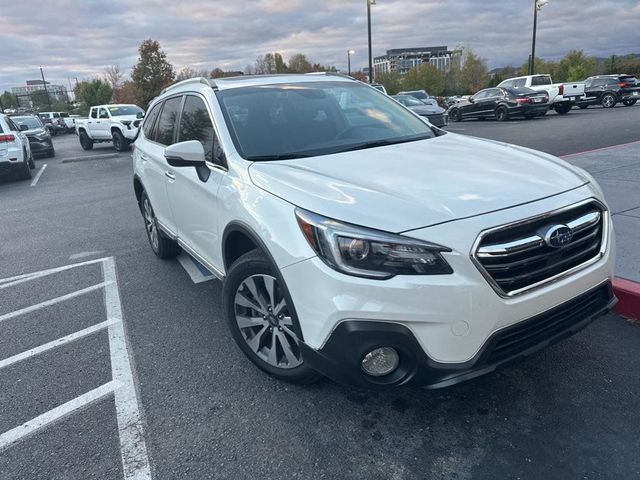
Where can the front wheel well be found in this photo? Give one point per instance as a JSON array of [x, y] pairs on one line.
[[236, 244]]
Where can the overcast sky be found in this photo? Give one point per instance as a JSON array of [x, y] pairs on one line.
[[78, 38]]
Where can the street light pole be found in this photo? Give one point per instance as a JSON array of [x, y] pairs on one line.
[[349, 53], [44, 84], [537, 5], [369, 3]]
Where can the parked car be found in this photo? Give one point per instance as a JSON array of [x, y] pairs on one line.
[[379, 86], [110, 123], [608, 90], [421, 95], [501, 104], [15, 152], [562, 96], [39, 137], [57, 120], [436, 115], [366, 244]]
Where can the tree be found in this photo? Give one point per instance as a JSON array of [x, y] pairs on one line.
[[576, 66], [113, 75], [361, 76], [9, 100], [424, 77], [279, 64], [392, 81], [473, 73], [298, 63], [188, 72], [41, 101], [92, 92], [124, 93], [152, 73], [629, 64], [216, 73], [265, 65]]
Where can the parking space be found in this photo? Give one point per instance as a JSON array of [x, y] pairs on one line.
[[114, 364]]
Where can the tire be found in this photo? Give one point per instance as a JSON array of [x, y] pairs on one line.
[[254, 293], [162, 246], [25, 170], [583, 107], [120, 143], [502, 114], [51, 153], [563, 108], [85, 142], [32, 162], [608, 100], [629, 103], [455, 115]]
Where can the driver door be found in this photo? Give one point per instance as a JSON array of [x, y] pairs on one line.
[[102, 125]]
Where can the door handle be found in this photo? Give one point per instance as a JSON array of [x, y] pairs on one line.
[[143, 157], [170, 175]]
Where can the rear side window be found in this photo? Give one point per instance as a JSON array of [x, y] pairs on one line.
[[167, 122], [150, 120], [94, 113], [195, 124], [540, 80]]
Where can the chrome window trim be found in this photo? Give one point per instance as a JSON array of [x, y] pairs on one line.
[[555, 278]]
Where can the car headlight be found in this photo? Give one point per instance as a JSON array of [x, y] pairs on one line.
[[369, 253]]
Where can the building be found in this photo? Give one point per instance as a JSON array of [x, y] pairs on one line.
[[57, 93], [402, 60]]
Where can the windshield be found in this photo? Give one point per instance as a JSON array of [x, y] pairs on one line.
[[275, 122], [31, 122], [410, 101], [120, 110], [419, 94]]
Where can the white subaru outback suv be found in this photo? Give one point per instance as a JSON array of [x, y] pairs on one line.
[[357, 241]]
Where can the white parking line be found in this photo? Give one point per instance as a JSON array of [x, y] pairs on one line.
[[53, 301], [135, 461], [10, 281], [41, 421], [38, 175], [55, 343]]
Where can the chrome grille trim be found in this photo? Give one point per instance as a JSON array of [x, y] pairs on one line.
[[495, 259]]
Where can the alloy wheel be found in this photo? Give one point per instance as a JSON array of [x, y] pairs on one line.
[[608, 101], [264, 320], [150, 223]]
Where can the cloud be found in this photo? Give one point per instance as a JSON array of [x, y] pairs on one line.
[[78, 38]]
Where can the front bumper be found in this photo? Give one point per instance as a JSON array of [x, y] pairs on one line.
[[40, 146], [340, 358], [438, 119]]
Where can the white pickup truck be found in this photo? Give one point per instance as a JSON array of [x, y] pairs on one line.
[[110, 123], [562, 96]]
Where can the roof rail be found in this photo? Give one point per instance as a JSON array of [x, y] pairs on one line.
[[202, 80], [333, 74]]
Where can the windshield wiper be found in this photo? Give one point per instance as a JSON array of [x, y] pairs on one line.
[[282, 156], [382, 143]]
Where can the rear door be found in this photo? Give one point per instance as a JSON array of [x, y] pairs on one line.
[[193, 192], [157, 171]]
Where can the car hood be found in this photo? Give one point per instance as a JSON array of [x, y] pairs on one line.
[[121, 118], [417, 184], [427, 109]]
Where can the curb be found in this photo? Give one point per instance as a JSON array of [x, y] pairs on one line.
[[628, 294]]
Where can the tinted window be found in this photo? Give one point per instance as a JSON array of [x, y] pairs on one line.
[[94, 113], [540, 80], [150, 119], [507, 83], [481, 95], [284, 121], [103, 113], [56, 115], [520, 82], [167, 121], [195, 124]]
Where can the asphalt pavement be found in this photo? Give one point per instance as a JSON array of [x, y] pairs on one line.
[[197, 409]]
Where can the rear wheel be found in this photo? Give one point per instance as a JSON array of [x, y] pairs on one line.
[[562, 108], [455, 115], [85, 142], [262, 319], [502, 114], [609, 100], [161, 245], [630, 103], [120, 143]]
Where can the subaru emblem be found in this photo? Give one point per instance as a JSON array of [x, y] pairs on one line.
[[558, 236]]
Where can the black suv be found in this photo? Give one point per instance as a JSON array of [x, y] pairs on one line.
[[608, 90]]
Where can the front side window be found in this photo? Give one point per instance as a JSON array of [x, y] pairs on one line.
[[167, 121], [282, 121], [195, 124], [103, 113]]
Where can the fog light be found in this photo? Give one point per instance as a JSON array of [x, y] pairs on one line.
[[381, 361]]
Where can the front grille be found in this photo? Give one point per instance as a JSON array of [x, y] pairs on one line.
[[552, 325], [518, 256]]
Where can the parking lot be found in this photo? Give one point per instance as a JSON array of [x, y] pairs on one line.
[[115, 364]]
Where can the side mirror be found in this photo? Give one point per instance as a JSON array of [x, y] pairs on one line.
[[185, 154], [140, 115], [23, 127]]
